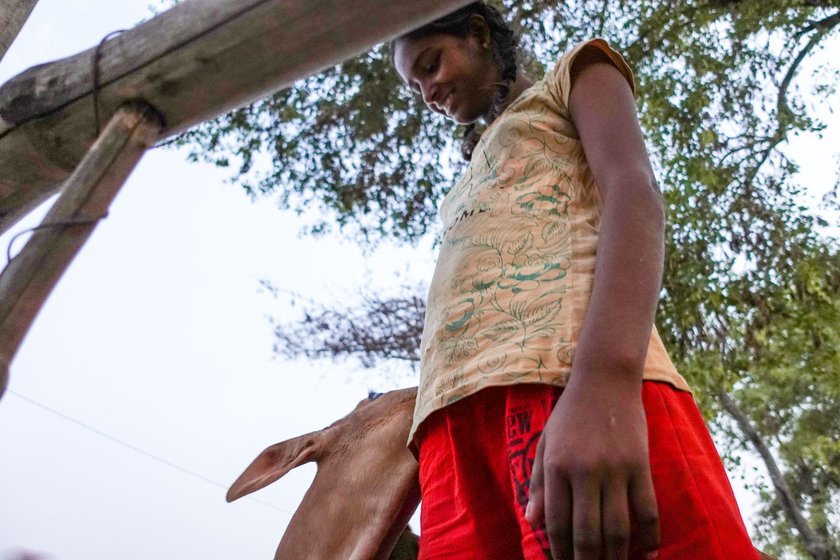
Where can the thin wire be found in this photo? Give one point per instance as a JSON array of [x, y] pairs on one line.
[[14, 238], [139, 450], [97, 54], [166, 143]]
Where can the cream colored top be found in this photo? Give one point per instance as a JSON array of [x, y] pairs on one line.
[[514, 274]]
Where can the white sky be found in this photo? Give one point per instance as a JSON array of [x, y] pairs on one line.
[[157, 336]]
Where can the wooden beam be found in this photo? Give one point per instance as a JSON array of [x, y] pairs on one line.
[[29, 278], [193, 62], [13, 14]]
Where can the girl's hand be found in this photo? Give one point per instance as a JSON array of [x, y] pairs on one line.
[[591, 471]]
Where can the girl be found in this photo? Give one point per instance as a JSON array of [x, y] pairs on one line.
[[549, 418]]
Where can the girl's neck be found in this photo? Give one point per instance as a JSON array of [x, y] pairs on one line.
[[521, 83]]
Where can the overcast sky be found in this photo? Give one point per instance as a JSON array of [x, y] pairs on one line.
[[157, 336], [147, 383]]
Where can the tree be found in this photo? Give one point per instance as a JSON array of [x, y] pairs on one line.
[[379, 328], [751, 292]]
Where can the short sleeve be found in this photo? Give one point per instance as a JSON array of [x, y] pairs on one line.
[[560, 78]]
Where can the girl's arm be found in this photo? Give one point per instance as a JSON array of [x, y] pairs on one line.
[[592, 466]]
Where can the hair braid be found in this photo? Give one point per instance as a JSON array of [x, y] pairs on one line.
[[504, 45]]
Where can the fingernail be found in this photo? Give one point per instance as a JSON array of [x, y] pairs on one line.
[[652, 555], [528, 510]]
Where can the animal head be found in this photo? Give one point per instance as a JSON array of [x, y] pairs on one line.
[[364, 491]]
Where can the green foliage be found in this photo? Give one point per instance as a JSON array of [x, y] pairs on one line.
[[751, 294], [789, 384]]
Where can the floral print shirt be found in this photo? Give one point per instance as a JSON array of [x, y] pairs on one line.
[[517, 259]]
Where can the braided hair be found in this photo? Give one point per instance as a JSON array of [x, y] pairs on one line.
[[504, 49]]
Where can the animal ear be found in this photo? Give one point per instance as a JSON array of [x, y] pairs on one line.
[[273, 463]]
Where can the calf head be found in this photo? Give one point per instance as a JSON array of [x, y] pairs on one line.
[[365, 489]]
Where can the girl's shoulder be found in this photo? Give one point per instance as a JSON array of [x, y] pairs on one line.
[[559, 78]]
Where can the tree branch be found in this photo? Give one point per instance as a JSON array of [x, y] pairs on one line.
[[783, 110], [381, 328], [825, 24], [815, 546]]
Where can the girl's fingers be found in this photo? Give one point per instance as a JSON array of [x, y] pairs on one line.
[[616, 519], [643, 504], [586, 529], [558, 517], [535, 512]]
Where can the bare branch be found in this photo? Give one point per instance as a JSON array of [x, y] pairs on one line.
[[378, 329], [784, 112], [815, 546], [826, 24]]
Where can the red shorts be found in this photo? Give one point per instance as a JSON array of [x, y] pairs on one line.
[[475, 466]]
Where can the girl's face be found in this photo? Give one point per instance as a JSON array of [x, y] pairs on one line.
[[456, 76]]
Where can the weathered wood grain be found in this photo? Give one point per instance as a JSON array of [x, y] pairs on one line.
[[28, 279], [13, 14], [193, 62]]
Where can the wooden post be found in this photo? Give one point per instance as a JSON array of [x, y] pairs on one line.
[[198, 60], [13, 14], [28, 279]]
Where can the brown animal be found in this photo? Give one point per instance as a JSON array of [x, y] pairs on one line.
[[365, 491]]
